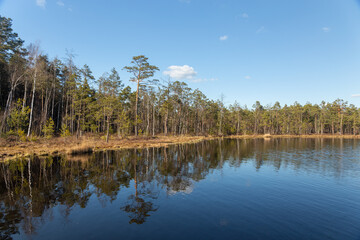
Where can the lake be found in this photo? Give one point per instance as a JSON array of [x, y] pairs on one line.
[[220, 189]]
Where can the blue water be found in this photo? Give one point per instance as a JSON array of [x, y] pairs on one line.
[[221, 189]]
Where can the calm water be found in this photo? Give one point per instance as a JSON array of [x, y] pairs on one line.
[[222, 189]]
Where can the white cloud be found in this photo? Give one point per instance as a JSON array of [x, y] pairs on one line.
[[326, 29], [180, 72], [248, 77], [70, 9], [261, 29], [187, 190], [223, 38], [41, 3], [355, 95], [244, 15], [60, 3]]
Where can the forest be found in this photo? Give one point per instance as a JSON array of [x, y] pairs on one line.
[[43, 97]]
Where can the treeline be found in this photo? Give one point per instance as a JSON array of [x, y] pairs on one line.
[[46, 97]]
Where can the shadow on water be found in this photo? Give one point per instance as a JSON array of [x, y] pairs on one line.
[[31, 188]]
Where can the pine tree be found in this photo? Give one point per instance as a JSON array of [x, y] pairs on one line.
[[141, 71], [48, 129]]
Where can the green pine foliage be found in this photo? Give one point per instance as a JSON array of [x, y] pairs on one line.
[[48, 129], [64, 131], [68, 100], [19, 117]]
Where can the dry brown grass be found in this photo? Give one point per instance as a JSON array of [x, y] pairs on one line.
[[88, 144]]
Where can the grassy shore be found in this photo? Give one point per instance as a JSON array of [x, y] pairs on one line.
[[72, 145]]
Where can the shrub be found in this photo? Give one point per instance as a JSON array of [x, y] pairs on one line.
[[33, 137], [19, 117], [48, 129], [22, 135], [64, 131]]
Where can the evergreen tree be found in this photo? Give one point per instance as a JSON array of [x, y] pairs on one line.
[[141, 71]]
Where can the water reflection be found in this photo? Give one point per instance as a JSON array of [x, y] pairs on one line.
[[30, 189]]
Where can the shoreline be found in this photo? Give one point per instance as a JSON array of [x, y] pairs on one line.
[[73, 146]]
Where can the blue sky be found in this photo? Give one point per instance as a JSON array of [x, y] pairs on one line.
[[279, 50]]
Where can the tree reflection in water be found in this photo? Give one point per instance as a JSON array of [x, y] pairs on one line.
[[137, 207], [30, 188]]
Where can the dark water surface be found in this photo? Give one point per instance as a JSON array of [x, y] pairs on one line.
[[221, 189]]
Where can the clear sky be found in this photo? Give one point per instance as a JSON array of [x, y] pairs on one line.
[[279, 50]]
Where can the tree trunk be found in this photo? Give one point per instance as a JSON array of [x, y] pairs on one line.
[[107, 132], [341, 123], [153, 123], [322, 128], [24, 98], [220, 125], [7, 108], [136, 107], [165, 123], [237, 128], [148, 118], [32, 104]]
